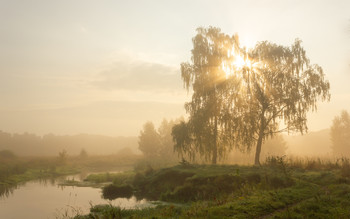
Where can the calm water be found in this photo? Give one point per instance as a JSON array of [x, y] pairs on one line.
[[46, 199]]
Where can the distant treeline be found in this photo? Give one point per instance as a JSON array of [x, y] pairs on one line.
[[313, 143], [32, 145]]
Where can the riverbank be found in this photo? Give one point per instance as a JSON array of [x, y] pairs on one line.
[[14, 169], [277, 189], [32, 174]]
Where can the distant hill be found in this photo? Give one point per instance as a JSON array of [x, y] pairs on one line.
[[311, 144], [33, 145]]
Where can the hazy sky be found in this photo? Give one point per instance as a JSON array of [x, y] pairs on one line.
[[107, 67]]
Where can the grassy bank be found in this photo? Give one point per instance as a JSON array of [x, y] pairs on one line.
[[278, 189], [19, 170], [14, 169], [31, 174]]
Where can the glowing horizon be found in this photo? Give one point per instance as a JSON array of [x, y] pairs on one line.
[[65, 71]]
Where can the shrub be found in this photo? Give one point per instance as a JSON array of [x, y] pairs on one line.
[[345, 167], [253, 178], [7, 154], [108, 211], [115, 191]]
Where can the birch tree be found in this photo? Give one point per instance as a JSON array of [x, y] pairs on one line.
[[206, 75], [280, 86]]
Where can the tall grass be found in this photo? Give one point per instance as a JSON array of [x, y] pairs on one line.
[[310, 163]]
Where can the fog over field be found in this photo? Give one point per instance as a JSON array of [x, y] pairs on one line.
[[174, 109], [84, 67]]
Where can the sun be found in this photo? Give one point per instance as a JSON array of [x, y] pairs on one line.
[[237, 63], [241, 62], [239, 59]]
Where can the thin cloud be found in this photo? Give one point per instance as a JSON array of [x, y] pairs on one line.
[[139, 75]]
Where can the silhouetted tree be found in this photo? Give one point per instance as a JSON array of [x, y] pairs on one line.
[[166, 140], [278, 84], [340, 134], [240, 96], [149, 140], [206, 75], [83, 154], [62, 156]]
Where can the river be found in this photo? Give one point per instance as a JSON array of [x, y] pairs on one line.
[[47, 199]]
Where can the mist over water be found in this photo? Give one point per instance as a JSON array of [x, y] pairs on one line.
[[182, 109], [48, 199]]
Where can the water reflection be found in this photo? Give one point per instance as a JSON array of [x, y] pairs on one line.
[[6, 190], [45, 198]]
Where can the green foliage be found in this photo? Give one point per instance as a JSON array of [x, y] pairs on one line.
[[345, 167], [221, 191], [111, 212], [279, 84], [241, 95], [203, 134], [184, 163], [116, 178], [157, 145], [149, 142], [113, 191], [198, 182], [204, 188], [166, 139], [7, 170], [280, 163], [147, 164], [21, 169], [108, 211], [154, 184]]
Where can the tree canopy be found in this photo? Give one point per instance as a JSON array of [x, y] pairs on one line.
[[240, 95], [206, 75], [149, 140], [158, 142], [279, 85]]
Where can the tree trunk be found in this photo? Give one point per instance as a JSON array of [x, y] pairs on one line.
[[260, 139], [215, 154], [215, 149], [258, 150]]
